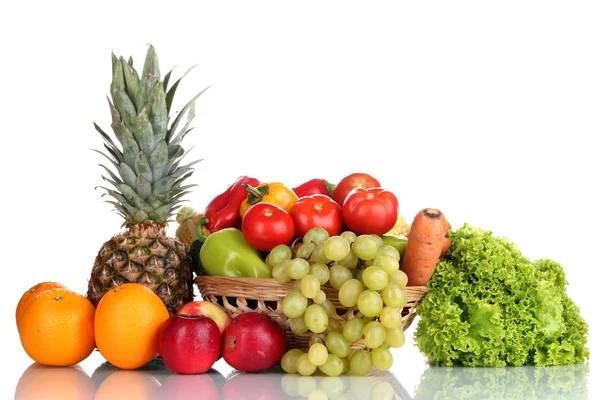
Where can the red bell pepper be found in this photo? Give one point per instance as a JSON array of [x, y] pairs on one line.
[[314, 186], [224, 210]]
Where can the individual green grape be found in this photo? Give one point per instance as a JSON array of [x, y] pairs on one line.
[[320, 298], [388, 263], [318, 255], [317, 394], [321, 271], [374, 334], [305, 250], [316, 318], [382, 358], [365, 247], [349, 236], [338, 275], [316, 235], [332, 385], [349, 292], [304, 366], [378, 238], [394, 295], [353, 329], [395, 337], [361, 362], [317, 354], [375, 278], [279, 253], [359, 275], [337, 344], [346, 361], [390, 317], [297, 325], [280, 273], [369, 303], [350, 261], [294, 304], [400, 278], [288, 361], [297, 268], [333, 366], [382, 391], [336, 248], [334, 326], [310, 286], [329, 308], [390, 251]]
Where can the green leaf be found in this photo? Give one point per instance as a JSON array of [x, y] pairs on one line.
[[142, 130], [141, 216], [166, 80], [131, 209], [156, 200], [158, 159], [134, 198], [173, 127], [143, 187], [172, 90], [130, 146], [141, 167], [132, 80], [163, 185], [112, 174], [124, 106], [157, 112], [127, 174], [113, 161], [150, 75]]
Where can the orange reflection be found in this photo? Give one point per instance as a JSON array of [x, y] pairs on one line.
[[40, 381]]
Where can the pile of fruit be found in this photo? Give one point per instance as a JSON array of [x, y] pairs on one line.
[[140, 304], [343, 251]]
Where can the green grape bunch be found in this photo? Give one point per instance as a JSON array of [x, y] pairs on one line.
[[370, 286]]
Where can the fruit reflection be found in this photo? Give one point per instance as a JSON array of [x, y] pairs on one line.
[[45, 382], [204, 386], [119, 384], [255, 386]]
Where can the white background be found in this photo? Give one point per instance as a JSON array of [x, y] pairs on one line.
[[488, 111]]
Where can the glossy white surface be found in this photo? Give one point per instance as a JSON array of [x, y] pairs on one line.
[[485, 110]]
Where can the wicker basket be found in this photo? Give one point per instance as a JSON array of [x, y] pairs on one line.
[[241, 295]]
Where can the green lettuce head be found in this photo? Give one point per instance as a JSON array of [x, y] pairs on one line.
[[490, 306]]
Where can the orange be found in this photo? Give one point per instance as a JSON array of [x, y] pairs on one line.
[[128, 319], [126, 385], [57, 328], [31, 293], [43, 382]]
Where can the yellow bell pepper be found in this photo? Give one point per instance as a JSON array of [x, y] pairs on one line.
[[273, 193]]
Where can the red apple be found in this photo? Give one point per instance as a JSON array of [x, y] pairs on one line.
[[197, 386], [253, 342], [189, 344], [207, 309]]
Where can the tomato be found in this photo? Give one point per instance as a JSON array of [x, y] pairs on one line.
[[357, 179], [317, 210], [266, 225], [373, 210]]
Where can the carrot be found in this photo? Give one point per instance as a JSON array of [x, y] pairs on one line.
[[447, 240], [424, 247]]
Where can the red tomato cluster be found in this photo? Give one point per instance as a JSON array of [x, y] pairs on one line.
[[358, 203]]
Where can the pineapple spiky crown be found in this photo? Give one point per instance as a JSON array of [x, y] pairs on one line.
[[149, 180]]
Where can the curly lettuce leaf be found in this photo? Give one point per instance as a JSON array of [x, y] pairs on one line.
[[490, 306]]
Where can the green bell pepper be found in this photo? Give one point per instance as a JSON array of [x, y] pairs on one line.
[[397, 242], [227, 253]]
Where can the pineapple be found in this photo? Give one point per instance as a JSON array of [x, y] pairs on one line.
[[148, 184]]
